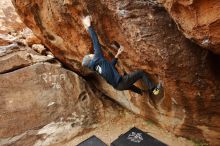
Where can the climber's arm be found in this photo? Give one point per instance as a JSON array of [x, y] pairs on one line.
[[114, 61], [96, 45], [97, 48], [120, 50]]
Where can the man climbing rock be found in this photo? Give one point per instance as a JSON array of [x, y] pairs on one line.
[[107, 70]]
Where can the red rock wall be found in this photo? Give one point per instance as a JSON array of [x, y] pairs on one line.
[[190, 105], [199, 20]]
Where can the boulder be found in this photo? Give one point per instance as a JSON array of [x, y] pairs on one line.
[[198, 20], [39, 48], [45, 104], [41, 102], [190, 102], [13, 57]]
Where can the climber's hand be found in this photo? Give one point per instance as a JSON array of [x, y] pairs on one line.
[[120, 50], [87, 21]]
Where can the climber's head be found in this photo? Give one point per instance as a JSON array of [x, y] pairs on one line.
[[87, 60]]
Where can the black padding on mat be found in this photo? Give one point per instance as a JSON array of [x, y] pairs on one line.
[[136, 137], [92, 141]]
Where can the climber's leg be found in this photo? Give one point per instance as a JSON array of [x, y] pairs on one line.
[[147, 80], [129, 79], [135, 89], [152, 88]]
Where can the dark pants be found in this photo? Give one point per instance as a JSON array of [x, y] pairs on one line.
[[128, 80]]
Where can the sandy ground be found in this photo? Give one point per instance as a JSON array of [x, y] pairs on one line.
[[117, 124]]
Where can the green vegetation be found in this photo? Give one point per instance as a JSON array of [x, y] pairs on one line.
[[199, 143], [150, 122]]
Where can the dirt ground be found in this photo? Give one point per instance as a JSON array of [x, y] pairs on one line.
[[116, 123]]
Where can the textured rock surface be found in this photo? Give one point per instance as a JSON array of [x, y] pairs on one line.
[[190, 105], [9, 19], [13, 57], [41, 103], [199, 20]]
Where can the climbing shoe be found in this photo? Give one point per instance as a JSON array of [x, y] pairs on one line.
[[156, 90]]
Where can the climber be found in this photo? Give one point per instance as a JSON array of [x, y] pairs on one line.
[[107, 70]]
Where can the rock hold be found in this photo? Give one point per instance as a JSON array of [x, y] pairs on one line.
[[39, 48]]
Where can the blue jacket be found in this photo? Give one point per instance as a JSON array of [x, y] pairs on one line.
[[102, 66]]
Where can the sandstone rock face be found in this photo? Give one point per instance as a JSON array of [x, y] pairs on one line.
[[9, 19], [198, 20], [41, 102], [13, 57], [190, 74]]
